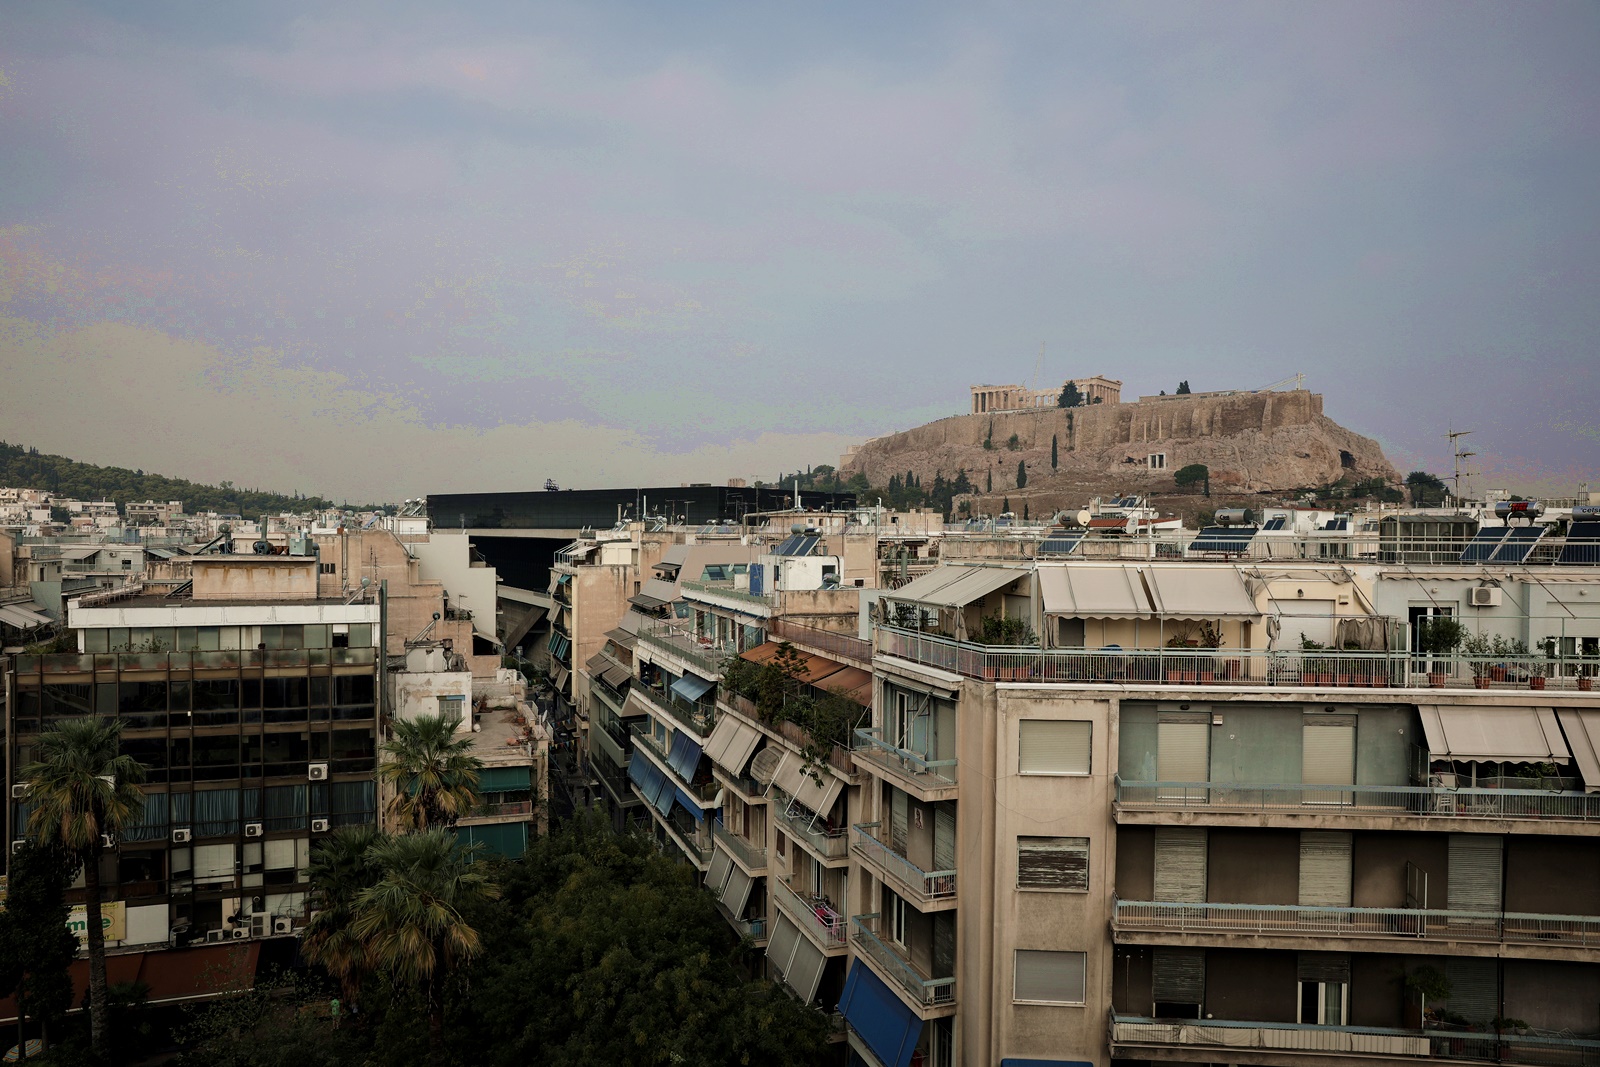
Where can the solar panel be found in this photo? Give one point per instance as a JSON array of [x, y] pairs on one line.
[[1483, 544], [798, 545], [1277, 522], [1223, 539], [1518, 544], [1060, 542], [1583, 544]]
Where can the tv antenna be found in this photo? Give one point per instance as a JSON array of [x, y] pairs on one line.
[[1454, 436]]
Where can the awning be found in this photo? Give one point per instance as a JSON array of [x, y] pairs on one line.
[[737, 893], [852, 683], [684, 756], [648, 603], [664, 591], [630, 623], [805, 970], [692, 687], [558, 677], [1493, 733], [922, 590], [22, 618], [969, 584], [690, 804], [882, 1020], [648, 777], [674, 556], [732, 743], [499, 779], [1582, 727], [562, 579], [794, 778], [596, 664], [761, 653], [480, 635], [1085, 591], [616, 676], [622, 638], [1199, 592]]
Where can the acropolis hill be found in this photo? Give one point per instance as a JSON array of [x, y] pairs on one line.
[[1250, 441]]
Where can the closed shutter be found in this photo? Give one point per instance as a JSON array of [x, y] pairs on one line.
[[1328, 752], [1053, 746], [737, 894], [780, 948], [899, 820], [1178, 976], [213, 861], [944, 838], [805, 970], [1049, 977], [1323, 967], [1474, 988], [717, 876], [1180, 874], [1475, 873], [1053, 863], [1183, 751], [944, 944], [1325, 869]]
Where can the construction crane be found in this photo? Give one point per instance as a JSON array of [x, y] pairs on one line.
[[1038, 369], [1299, 381]]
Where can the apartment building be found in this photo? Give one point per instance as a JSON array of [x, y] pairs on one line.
[[1212, 805], [252, 702]]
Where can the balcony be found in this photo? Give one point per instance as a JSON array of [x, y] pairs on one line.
[[825, 642], [1135, 1037], [1288, 805], [1190, 667], [754, 929], [929, 779], [75, 663], [751, 855], [702, 655], [934, 892], [925, 992], [699, 719], [817, 918], [1407, 927], [746, 787], [694, 841], [829, 843], [643, 741]]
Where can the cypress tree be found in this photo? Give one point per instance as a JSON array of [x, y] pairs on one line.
[[1055, 453], [1022, 474]]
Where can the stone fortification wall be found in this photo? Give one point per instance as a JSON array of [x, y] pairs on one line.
[[1250, 441]]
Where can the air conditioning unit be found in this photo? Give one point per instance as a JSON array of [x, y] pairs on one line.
[[106, 842], [240, 933], [282, 924], [253, 829], [108, 779], [1484, 596], [18, 844], [20, 791], [319, 826], [181, 836], [258, 924], [317, 772], [214, 936]]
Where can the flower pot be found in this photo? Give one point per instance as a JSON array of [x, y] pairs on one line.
[[1536, 682], [1436, 679], [1497, 674], [1206, 677], [1585, 683], [1174, 675], [1344, 681], [1480, 682]]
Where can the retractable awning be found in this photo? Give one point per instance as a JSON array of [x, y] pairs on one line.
[[1199, 592], [616, 676], [921, 589], [622, 638], [651, 782], [1493, 733], [973, 583], [1582, 727], [692, 687], [684, 756], [1084, 591], [732, 743], [852, 683], [647, 602], [795, 779], [879, 1018], [22, 618], [664, 591]]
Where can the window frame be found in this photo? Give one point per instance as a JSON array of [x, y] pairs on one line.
[[1083, 960], [1087, 772]]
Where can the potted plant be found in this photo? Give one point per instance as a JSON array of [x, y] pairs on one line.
[[1426, 983], [1439, 635], [1208, 635], [1479, 648], [1315, 670]]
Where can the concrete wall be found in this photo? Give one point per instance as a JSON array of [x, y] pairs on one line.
[[1136, 862], [1377, 990], [1378, 861], [1553, 996], [255, 578], [418, 694], [1253, 866], [1251, 986], [1552, 875], [445, 557]]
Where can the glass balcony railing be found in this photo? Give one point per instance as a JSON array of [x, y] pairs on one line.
[[923, 989], [921, 885]]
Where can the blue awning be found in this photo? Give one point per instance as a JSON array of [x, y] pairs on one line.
[[684, 755], [882, 1020], [690, 804], [692, 687], [651, 782]]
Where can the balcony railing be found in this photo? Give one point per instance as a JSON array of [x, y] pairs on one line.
[[830, 842], [642, 739], [1421, 801], [1292, 920], [75, 663], [928, 992], [724, 588], [930, 773], [923, 885], [754, 929], [1128, 1030], [690, 837], [750, 854], [662, 635], [815, 917], [827, 641], [505, 807], [744, 785], [699, 717], [1200, 666]]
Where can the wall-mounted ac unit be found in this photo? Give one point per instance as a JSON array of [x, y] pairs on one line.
[[1484, 596], [181, 836], [317, 772], [216, 935], [282, 924], [18, 844], [254, 829], [319, 826], [240, 933], [258, 924], [20, 791]]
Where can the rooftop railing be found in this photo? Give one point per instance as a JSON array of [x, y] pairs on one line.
[[931, 773], [1192, 666], [1432, 802], [923, 885], [1532, 1049], [926, 991], [828, 641], [724, 587], [817, 918], [1292, 920]]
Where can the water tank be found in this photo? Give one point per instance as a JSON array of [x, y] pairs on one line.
[[1234, 517]]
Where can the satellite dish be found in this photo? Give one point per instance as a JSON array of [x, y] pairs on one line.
[[765, 765]]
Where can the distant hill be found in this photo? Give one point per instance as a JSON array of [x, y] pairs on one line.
[[30, 469]]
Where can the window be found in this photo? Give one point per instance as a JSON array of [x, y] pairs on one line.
[[1049, 977], [1060, 863], [1053, 746], [1323, 1003], [897, 920], [1157, 461], [325, 568], [452, 707]]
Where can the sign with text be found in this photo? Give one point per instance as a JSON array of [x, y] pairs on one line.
[[113, 919]]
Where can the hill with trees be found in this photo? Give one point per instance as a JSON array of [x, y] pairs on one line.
[[29, 468]]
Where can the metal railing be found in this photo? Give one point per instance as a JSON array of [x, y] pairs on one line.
[[829, 842], [687, 834], [743, 784], [1432, 802], [1200, 666], [754, 929], [85, 663], [1294, 920], [723, 588], [827, 641], [642, 739], [662, 635], [504, 807], [932, 774], [750, 854], [1533, 1049], [924, 885], [826, 926], [699, 717], [929, 992]]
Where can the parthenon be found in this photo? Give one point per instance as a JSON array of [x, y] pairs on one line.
[[990, 398]]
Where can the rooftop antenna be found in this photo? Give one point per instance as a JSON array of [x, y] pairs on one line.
[[1460, 454]]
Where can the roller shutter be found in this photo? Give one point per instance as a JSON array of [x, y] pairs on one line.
[[1475, 873], [1183, 753], [899, 820], [1178, 975], [944, 838], [1325, 869], [1323, 967], [1328, 756], [1474, 988], [1053, 746], [1049, 977], [1053, 863], [1180, 874]]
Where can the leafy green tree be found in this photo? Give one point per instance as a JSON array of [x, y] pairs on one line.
[[1426, 489], [434, 772], [36, 948], [1183, 388], [1070, 397], [1022, 474], [1055, 453], [1013, 443], [342, 865], [1193, 474], [282, 1021], [81, 792]]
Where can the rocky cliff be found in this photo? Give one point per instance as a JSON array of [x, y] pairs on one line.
[[1252, 442]]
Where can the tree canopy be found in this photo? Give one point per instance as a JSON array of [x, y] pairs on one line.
[[1070, 397]]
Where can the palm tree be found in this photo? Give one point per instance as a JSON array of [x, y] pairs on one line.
[[411, 921], [342, 866], [434, 773], [82, 793]]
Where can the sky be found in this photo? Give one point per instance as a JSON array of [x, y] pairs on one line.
[[373, 251]]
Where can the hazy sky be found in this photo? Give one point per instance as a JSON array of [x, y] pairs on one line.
[[380, 250]]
